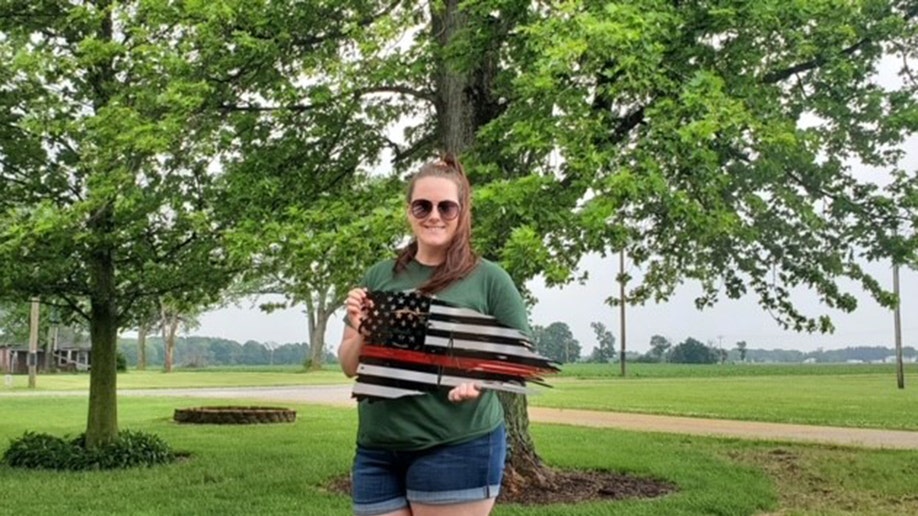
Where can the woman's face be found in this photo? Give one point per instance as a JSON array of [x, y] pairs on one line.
[[434, 213]]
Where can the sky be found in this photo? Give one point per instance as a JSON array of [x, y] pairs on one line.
[[724, 324]]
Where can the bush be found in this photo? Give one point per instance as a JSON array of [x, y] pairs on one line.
[[130, 449], [120, 362]]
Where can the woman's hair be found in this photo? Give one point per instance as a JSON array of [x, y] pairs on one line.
[[460, 258]]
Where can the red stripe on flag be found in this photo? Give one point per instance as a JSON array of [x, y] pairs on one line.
[[453, 362]]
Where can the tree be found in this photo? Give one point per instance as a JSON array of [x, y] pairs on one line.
[[113, 116], [254, 353], [641, 126], [692, 351], [659, 345], [604, 352], [556, 342], [313, 255], [173, 317], [741, 347], [226, 352]]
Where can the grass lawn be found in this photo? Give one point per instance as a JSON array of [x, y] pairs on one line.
[[281, 469], [638, 371], [868, 400], [861, 395]]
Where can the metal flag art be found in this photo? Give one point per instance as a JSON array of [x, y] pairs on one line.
[[418, 344]]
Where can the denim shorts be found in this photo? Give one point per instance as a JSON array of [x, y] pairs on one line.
[[385, 481]]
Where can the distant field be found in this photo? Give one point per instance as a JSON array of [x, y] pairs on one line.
[[716, 370]]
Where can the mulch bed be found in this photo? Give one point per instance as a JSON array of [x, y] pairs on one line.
[[569, 487]]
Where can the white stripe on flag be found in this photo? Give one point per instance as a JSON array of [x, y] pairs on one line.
[[382, 391], [462, 312], [477, 329], [434, 379], [473, 345]]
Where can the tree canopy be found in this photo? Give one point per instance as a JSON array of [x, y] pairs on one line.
[[556, 342], [117, 118]]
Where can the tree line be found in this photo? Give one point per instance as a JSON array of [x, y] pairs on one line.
[[200, 352], [556, 341]]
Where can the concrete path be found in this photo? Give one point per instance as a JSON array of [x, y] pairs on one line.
[[340, 395]]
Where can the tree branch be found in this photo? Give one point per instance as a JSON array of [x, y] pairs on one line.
[[780, 75], [403, 90], [296, 108]]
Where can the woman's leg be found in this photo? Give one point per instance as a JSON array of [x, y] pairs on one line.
[[378, 484], [479, 508], [458, 480]]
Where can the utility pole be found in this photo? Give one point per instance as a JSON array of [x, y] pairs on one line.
[[33, 343], [621, 284], [897, 322]]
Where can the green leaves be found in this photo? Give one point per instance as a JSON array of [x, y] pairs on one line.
[[691, 134]]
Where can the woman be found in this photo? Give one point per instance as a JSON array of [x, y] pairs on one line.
[[440, 453]]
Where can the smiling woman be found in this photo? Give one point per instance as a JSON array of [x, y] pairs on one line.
[[438, 452]]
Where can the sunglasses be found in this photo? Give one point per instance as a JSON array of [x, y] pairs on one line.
[[422, 208]]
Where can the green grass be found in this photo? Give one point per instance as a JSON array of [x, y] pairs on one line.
[[188, 378], [281, 469], [853, 396], [640, 371]]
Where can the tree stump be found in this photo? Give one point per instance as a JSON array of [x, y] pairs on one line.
[[234, 415]]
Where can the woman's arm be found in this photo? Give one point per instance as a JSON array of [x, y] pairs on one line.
[[352, 340], [349, 351]]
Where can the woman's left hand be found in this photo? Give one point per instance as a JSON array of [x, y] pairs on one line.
[[463, 392]]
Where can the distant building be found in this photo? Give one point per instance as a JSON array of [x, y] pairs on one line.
[[892, 359], [15, 360]]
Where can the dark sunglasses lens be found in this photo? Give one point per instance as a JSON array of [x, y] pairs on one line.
[[421, 208], [448, 210]]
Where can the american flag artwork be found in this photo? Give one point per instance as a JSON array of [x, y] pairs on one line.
[[418, 344]]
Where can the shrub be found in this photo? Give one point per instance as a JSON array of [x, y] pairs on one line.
[[130, 449], [120, 362], [43, 451]]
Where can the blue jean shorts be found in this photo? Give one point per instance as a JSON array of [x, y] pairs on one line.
[[385, 481]]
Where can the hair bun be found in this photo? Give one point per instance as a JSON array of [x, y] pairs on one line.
[[449, 160]]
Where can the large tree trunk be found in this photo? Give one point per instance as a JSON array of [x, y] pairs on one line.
[[464, 103], [524, 469], [455, 111], [102, 424], [142, 347]]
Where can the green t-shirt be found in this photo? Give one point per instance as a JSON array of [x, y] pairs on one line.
[[419, 422]]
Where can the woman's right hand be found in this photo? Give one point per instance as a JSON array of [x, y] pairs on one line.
[[355, 303]]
